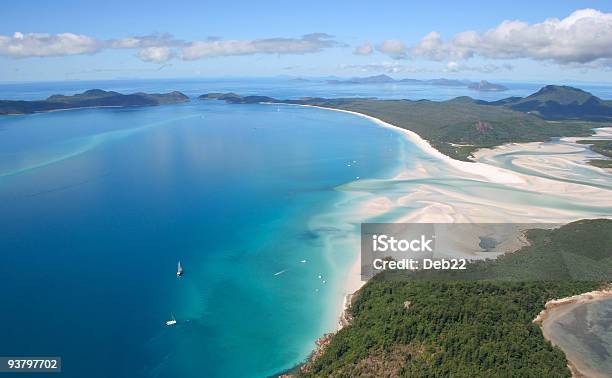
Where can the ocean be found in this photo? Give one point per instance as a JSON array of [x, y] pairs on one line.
[[97, 206]]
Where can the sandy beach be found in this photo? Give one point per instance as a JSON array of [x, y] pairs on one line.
[[584, 195]]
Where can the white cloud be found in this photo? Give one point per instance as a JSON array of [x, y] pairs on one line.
[[395, 48], [151, 40], [21, 45], [155, 54], [585, 36], [432, 47], [157, 48], [309, 43], [365, 49]]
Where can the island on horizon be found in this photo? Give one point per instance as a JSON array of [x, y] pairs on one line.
[[483, 85], [90, 99]]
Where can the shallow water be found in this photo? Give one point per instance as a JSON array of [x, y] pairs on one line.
[[584, 332]]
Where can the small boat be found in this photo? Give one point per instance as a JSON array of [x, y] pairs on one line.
[[179, 270], [171, 322]]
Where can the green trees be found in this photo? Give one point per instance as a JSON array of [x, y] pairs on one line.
[[473, 327], [461, 328]]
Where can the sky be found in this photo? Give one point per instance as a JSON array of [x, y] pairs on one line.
[[552, 41]]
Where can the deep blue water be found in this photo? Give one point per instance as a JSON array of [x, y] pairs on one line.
[[98, 205]]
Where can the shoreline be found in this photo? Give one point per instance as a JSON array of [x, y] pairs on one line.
[[479, 170], [559, 307], [484, 170], [488, 172]]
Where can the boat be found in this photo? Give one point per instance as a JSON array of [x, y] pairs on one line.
[[171, 322], [179, 270]]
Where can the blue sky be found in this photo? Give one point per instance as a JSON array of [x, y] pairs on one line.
[[74, 40]]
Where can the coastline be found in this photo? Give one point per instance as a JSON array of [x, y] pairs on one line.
[[488, 172], [478, 170], [555, 309], [483, 170]]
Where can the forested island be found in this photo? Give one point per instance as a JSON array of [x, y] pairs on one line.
[[89, 99], [460, 126], [475, 324]]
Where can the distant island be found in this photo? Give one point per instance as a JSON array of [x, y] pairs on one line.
[[89, 99], [460, 126], [485, 86], [385, 79]]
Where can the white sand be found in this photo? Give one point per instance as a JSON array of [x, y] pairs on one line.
[[535, 193]]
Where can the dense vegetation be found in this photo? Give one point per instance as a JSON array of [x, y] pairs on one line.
[[462, 125], [90, 98], [477, 325]]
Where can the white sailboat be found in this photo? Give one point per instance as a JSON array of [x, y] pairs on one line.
[[171, 322], [179, 270]]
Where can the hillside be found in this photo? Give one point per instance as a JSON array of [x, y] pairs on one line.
[[556, 102], [480, 326], [90, 98], [455, 127]]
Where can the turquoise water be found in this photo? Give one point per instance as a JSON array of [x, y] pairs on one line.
[[98, 205]]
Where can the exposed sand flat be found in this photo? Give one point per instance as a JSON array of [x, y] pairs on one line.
[[561, 160]]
